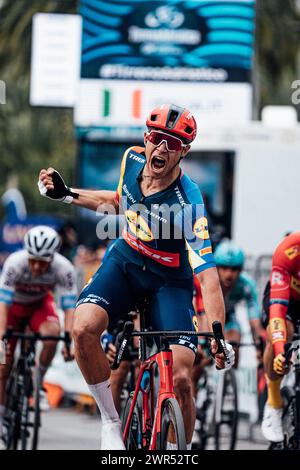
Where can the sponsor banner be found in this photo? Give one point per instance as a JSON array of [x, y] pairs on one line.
[[121, 104], [194, 41]]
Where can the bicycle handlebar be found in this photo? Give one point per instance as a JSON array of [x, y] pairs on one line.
[[33, 337], [128, 332]]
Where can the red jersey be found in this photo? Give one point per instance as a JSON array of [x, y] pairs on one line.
[[285, 284]]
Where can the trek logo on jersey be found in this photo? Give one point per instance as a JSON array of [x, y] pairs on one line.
[[201, 228], [292, 252], [295, 284], [133, 156], [138, 226]]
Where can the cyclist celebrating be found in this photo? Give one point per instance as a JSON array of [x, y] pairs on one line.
[[156, 255], [26, 283], [281, 309]]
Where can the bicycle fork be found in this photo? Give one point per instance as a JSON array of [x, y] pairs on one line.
[[164, 361]]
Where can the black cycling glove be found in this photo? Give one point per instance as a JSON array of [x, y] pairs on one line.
[[61, 191]]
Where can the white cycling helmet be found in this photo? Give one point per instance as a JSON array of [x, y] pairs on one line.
[[41, 242]]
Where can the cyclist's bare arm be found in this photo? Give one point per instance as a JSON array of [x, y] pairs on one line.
[[67, 352], [256, 328], [69, 317], [101, 201], [212, 296], [3, 318]]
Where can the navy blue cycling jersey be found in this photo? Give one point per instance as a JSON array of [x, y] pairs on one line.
[[165, 239], [165, 232]]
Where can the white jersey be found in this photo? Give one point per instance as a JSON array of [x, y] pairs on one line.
[[18, 285]]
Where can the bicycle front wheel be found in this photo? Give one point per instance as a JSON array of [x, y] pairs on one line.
[[172, 426], [12, 414], [36, 411]]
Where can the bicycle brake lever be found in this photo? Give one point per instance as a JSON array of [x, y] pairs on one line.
[[220, 340], [125, 336]]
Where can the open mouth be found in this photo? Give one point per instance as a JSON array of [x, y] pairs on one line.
[[158, 163]]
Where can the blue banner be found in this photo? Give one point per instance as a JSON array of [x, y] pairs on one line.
[[199, 41]]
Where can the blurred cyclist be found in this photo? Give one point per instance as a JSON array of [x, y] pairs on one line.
[[27, 281], [236, 286], [281, 309]]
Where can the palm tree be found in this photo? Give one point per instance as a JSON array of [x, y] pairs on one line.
[[15, 30]]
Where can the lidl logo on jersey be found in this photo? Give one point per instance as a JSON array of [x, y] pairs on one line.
[[201, 228], [293, 252], [138, 226]]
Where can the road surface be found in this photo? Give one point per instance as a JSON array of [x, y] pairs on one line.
[[66, 428]]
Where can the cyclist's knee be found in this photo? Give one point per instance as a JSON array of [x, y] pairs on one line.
[[89, 323], [182, 382], [50, 328]]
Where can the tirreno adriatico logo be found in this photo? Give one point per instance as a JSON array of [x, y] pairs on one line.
[[165, 17]]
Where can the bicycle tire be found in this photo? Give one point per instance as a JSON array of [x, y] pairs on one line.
[[171, 420], [227, 417], [134, 438], [24, 432], [11, 419], [36, 412]]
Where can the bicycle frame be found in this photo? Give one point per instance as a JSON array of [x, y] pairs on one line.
[[164, 361], [23, 380]]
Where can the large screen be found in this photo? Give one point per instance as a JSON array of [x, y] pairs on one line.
[[197, 41], [137, 54]]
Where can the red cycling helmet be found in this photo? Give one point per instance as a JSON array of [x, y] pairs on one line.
[[175, 120]]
